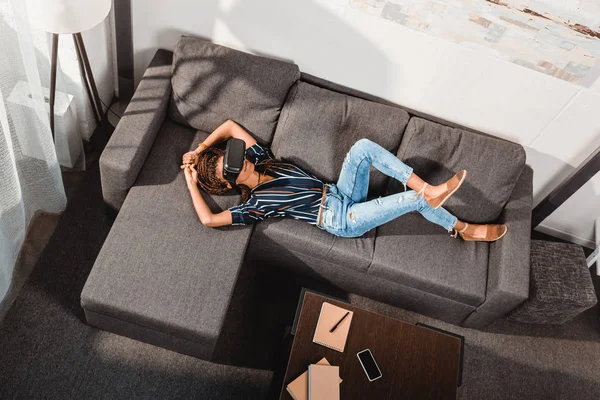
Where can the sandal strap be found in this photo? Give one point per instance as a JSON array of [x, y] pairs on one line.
[[420, 192], [456, 232]]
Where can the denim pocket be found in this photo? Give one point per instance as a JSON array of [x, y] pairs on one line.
[[329, 219]]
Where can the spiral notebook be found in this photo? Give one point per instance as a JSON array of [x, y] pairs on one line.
[[323, 382], [298, 388], [329, 317]]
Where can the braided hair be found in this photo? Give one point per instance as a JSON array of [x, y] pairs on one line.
[[208, 178]]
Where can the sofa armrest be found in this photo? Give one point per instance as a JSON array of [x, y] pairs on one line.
[[508, 267], [126, 151]]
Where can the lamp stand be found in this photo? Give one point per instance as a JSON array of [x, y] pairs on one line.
[[86, 73], [53, 80]]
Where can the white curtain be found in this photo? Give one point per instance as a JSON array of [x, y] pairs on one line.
[[30, 176]]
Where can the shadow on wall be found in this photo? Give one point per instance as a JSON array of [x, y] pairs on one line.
[[545, 180], [293, 32], [572, 220]]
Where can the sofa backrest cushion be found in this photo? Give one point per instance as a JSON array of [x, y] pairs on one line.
[[318, 126], [213, 83], [436, 152]]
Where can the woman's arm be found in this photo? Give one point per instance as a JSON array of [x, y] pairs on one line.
[[227, 130], [206, 216]]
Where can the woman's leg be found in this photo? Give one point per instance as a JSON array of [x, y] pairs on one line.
[[354, 176], [367, 215], [362, 217]]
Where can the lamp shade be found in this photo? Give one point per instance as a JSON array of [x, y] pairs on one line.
[[67, 16]]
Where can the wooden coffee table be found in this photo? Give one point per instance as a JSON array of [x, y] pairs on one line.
[[416, 362]]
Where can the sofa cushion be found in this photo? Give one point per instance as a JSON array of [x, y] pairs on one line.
[[436, 152], [213, 83], [318, 126], [160, 268], [416, 253], [349, 280], [280, 235]]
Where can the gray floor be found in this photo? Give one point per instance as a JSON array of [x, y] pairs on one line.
[[47, 350]]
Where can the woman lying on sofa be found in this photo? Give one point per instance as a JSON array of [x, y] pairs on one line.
[[271, 188]]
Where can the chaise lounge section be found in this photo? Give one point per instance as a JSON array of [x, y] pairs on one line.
[[164, 278]]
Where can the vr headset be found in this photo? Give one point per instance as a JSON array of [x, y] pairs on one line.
[[233, 161]]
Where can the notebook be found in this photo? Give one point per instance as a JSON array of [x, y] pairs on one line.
[[323, 382], [298, 388], [329, 317]]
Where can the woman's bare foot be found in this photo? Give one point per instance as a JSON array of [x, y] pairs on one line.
[[436, 196], [480, 233]]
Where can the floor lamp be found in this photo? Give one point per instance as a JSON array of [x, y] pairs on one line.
[[70, 17]]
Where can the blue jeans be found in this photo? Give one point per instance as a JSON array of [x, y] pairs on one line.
[[346, 212]]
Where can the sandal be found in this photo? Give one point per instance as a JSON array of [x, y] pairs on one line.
[[453, 185], [494, 232]]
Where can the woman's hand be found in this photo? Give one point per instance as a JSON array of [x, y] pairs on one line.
[[190, 158], [191, 176]]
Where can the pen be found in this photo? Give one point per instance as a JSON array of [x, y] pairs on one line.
[[339, 322]]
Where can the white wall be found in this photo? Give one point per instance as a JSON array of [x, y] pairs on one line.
[[98, 44], [557, 122]]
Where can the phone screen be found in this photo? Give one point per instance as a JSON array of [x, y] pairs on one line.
[[369, 365]]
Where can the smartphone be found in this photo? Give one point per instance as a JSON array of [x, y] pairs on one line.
[[369, 365]]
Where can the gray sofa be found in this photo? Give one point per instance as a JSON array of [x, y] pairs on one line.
[[164, 278]]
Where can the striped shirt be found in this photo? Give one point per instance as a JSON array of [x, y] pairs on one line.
[[291, 193]]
